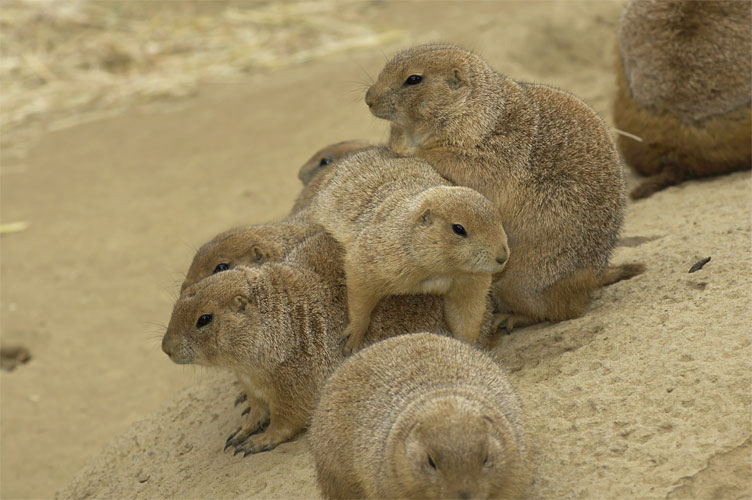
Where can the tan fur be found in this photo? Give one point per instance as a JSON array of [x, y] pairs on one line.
[[542, 155], [390, 407], [311, 173], [684, 78], [398, 221], [278, 327], [249, 246]]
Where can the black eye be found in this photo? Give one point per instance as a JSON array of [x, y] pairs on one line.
[[458, 229], [221, 267], [413, 80], [324, 162], [430, 462], [204, 320]]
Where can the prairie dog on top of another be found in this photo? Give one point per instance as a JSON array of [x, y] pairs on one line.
[[684, 80], [277, 326], [406, 230], [419, 416], [540, 154]]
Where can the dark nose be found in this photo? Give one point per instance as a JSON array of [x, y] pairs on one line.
[[369, 97], [463, 494], [165, 347]]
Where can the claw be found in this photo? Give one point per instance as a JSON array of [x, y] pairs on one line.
[[227, 443], [241, 398], [238, 450], [240, 440], [246, 411]]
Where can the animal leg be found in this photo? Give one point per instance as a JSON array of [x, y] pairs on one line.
[[464, 305], [670, 175]]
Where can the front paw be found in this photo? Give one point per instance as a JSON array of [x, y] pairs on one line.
[[257, 444], [353, 344], [255, 423]]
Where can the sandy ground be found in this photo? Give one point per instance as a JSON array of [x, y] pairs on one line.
[[646, 396]]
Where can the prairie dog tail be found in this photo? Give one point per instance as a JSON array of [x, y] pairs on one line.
[[612, 274]]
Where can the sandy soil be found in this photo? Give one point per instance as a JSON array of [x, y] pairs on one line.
[[646, 396]]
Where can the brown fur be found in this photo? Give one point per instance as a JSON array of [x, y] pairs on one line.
[[277, 327], [398, 221], [311, 173], [391, 406], [249, 246], [684, 85], [542, 155]]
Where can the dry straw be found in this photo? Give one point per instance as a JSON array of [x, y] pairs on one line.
[[66, 62]]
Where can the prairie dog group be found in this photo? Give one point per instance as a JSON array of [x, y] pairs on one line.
[[540, 154], [684, 87], [419, 416], [278, 328], [406, 230]]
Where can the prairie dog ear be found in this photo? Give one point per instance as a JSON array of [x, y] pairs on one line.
[[413, 446], [426, 218], [260, 255], [240, 303], [456, 79]]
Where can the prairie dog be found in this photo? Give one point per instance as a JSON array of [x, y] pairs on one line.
[[419, 416], [278, 327], [406, 230], [248, 246], [311, 174], [684, 79], [540, 154]]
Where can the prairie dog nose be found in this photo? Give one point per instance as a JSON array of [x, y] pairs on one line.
[[369, 97], [503, 256]]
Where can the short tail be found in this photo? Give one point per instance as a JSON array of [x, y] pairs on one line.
[[612, 274]]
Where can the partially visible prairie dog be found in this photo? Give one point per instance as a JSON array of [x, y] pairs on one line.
[[419, 416], [311, 174], [684, 87], [407, 231], [326, 156], [540, 154], [248, 246], [277, 327]]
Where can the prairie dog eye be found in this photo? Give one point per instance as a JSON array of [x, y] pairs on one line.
[[324, 162], [223, 266], [413, 80], [204, 320], [459, 229], [430, 462]]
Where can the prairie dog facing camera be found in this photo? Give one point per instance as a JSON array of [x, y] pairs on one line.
[[419, 416], [541, 155], [406, 230]]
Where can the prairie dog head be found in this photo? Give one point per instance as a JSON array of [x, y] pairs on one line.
[[212, 321], [430, 88], [465, 228], [242, 246], [448, 448], [324, 157]]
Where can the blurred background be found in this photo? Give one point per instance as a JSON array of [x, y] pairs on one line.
[[132, 132]]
